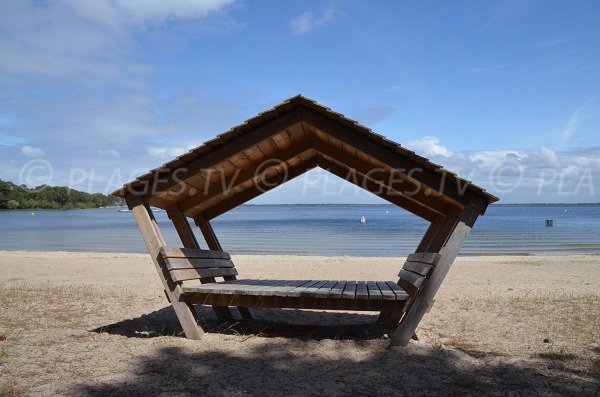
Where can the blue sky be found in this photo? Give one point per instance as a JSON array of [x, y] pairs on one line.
[[506, 93]]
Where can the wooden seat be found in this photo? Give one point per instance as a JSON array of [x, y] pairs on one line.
[[308, 294], [194, 270]]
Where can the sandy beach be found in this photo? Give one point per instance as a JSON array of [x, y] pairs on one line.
[[98, 324]]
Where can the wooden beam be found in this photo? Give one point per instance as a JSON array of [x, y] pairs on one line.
[[170, 178], [438, 232], [208, 232], [186, 314], [222, 187], [377, 188], [213, 243], [188, 239], [413, 192], [449, 251], [298, 302], [222, 312], [256, 189], [436, 180]]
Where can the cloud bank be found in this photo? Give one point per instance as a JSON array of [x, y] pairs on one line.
[[308, 22]]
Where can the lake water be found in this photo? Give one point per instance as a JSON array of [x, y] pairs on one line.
[[312, 230]]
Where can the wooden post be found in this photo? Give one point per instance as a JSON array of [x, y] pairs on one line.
[[449, 251], [208, 232], [214, 244], [438, 232], [182, 227], [188, 239], [186, 314], [433, 240]]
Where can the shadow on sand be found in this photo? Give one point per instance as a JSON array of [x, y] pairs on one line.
[[359, 365], [301, 324]]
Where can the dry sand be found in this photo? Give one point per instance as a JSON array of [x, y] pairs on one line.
[[98, 324]]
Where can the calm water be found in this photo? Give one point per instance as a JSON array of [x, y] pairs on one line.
[[312, 230]]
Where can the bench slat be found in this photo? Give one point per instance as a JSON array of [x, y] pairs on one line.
[[283, 292], [431, 258], [374, 292], [411, 282], [297, 292], [349, 290], [413, 278], [185, 263], [362, 291], [312, 290], [337, 290], [304, 289], [229, 287], [399, 292], [386, 292], [418, 267], [298, 303], [192, 274], [323, 292], [193, 253], [252, 287]]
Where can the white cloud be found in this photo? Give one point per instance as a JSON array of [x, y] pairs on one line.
[[31, 151], [571, 126], [489, 159], [88, 41], [307, 22], [428, 146], [523, 175], [141, 11], [75, 75]]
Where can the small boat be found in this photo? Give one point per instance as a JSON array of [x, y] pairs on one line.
[[123, 210], [363, 220]]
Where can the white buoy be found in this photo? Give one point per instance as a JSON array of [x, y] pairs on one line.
[[363, 220]]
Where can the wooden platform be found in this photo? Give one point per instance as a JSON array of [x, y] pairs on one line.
[[309, 294]]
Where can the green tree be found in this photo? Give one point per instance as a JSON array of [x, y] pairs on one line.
[[51, 197], [12, 204]]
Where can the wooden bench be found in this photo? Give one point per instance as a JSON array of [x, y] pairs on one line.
[[194, 271]]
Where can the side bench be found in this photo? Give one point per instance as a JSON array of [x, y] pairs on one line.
[[194, 270]]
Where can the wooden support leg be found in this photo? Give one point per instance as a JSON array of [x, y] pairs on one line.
[[186, 314], [432, 241], [449, 251], [188, 239], [214, 244]]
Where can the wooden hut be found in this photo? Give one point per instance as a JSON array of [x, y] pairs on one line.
[[271, 149]]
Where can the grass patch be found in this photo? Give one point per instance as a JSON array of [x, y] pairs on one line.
[[8, 391], [556, 356], [459, 343]]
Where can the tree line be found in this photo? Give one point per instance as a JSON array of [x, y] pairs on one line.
[[14, 196]]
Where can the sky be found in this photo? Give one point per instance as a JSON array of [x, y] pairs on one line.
[[505, 93]]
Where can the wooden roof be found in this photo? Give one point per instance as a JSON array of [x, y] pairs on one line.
[[283, 143]]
